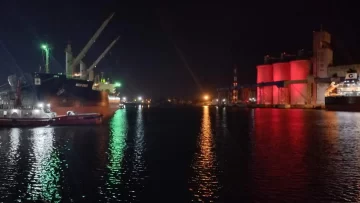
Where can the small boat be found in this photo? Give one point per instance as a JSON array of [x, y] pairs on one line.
[[121, 106], [17, 115], [22, 116], [72, 118]]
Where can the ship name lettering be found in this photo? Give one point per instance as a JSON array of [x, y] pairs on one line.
[[81, 85]]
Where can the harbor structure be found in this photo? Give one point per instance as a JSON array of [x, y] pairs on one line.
[[294, 80]]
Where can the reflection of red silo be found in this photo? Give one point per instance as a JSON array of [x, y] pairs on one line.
[[264, 74], [299, 70], [281, 71]]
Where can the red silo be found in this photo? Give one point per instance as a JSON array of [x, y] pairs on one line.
[[299, 70], [264, 74], [281, 71]]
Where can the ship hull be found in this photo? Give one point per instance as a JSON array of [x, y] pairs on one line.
[[80, 119], [106, 111], [64, 92], [71, 94], [343, 103], [23, 122]]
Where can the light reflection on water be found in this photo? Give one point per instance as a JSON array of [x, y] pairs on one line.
[[183, 155], [204, 184], [118, 133], [44, 176], [125, 176], [342, 147], [9, 158], [139, 164], [14, 145]]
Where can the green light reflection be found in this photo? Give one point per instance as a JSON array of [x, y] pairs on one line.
[[118, 132]]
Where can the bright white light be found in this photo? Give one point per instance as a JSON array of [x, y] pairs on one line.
[[224, 100], [112, 98], [40, 105], [48, 105], [124, 98], [139, 98], [217, 100]]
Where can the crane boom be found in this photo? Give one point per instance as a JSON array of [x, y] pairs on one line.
[[83, 52], [102, 55]]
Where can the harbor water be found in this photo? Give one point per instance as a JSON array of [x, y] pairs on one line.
[[203, 154]]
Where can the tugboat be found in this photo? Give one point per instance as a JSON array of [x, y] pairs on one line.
[[344, 96], [72, 118], [17, 115], [121, 106]]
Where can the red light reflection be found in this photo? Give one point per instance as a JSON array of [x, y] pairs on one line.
[[278, 161]]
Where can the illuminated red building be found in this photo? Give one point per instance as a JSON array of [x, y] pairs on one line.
[[299, 70], [264, 75], [281, 72]]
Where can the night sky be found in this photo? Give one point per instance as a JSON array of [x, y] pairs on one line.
[[172, 49]]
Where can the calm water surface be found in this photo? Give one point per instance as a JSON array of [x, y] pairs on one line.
[[187, 155]]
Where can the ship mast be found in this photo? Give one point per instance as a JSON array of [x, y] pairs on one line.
[[18, 95], [83, 52]]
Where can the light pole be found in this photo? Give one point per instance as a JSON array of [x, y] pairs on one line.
[[45, 47]]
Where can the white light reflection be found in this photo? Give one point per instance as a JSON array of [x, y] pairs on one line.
[[204, 184], [9, 167], [139, 143], [223, 121], [14, 145], [138, 162], [44, 176]]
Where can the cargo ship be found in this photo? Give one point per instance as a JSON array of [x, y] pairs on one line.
[[344, 96], [77, 88]]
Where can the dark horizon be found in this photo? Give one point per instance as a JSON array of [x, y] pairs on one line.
[[162, 48]]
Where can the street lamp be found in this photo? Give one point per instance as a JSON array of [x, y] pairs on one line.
[[140, 98], [45, 47], [206, 97]]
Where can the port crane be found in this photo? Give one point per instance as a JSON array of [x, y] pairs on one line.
[[71, 64], [89, 73]]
